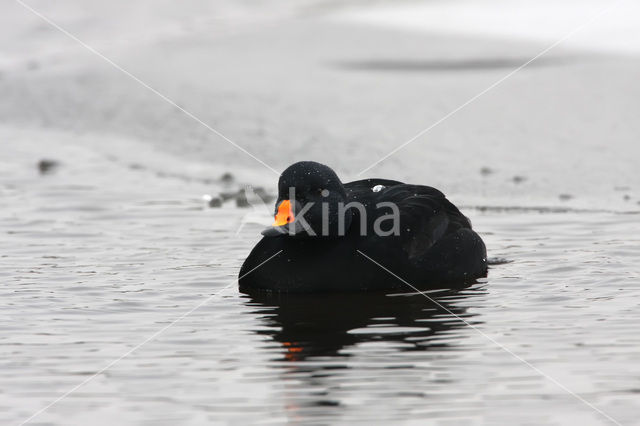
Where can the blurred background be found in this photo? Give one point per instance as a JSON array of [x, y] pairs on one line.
[[343, 83], [121, 209]]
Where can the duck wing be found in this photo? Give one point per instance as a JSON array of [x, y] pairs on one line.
[[426, 216]]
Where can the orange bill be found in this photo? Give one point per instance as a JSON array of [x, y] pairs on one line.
[[294, 351], [285, 214]]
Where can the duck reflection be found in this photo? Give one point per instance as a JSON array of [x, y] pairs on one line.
[[324, 325]]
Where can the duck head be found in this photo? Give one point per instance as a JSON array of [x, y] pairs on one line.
[[310, 203]]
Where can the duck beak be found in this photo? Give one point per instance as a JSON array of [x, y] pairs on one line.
[[283, 217]]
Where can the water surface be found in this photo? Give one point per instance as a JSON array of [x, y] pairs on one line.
[[114, 252], [93, 267]]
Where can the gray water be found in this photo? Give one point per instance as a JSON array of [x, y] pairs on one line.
[[90, 270], [119, 301]]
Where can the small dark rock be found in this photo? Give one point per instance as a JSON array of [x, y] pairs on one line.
[[228, 195], [264, 195], [215, 202], [227, 178], [626, 197], [260, 191], [241, 200], [486, 171], [519, 179], [565, 197], [46, 166]]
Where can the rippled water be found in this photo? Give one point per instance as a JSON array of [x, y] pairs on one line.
[[95, 267], [119, 301]]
